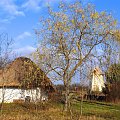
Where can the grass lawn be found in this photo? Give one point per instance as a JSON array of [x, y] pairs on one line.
[[54, 111], [100, 110]]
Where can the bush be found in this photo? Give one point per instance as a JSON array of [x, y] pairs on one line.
[[57, 97], [114, 92]]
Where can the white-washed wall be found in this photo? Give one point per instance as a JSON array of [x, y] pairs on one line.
[[97, 83], [10, 94]]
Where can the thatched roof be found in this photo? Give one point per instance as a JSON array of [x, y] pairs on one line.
[[23, 72], [97, 71]]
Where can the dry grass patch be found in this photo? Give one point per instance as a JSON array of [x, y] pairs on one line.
[[54, 111]]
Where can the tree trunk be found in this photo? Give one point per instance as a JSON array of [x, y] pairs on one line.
[[66, 97], [3, 95], [81, 103]]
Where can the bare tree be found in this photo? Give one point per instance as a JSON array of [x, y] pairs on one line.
[[69, 37], [5, 50]]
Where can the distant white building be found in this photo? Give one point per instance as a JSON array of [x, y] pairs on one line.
[[97, 82]]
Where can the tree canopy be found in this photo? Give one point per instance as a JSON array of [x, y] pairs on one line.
[[69, 37], [113, 73]]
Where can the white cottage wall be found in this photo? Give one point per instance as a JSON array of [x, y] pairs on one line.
[[10, 94]]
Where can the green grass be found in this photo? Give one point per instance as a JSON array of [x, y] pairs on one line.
[[54, 111], [103, 110]]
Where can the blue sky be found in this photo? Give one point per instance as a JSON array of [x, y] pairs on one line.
[[19, 18]]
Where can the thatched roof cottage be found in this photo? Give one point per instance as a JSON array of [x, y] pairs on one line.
[[22, 79]]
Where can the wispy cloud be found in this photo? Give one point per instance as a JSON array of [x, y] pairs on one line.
[[13, 8], [37, 5], [9, 7], [24, 50], [32, 5], [23, 36], [6, 19]]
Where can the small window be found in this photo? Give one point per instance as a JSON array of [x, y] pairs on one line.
[[22, 94], [27, 99]]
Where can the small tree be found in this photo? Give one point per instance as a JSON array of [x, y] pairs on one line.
[[113, 79], [113, 73], [69, 37], [5, 50]]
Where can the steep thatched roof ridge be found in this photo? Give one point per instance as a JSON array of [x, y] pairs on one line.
[[22, 72], [97, 71]]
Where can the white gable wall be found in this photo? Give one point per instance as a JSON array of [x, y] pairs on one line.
[[10, 94], [97, 83]]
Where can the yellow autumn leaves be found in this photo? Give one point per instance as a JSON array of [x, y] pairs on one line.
[[61, 26], [117, 35], [95, 15]]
